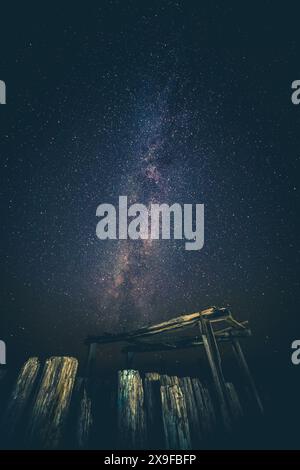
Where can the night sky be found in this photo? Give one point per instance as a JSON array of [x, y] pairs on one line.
[[167, 101]]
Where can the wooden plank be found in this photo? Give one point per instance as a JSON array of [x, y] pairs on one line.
[[152, 376], [20, 398], [183, 321], [192, 411], [175, 419], [214, 360], [131, 414], [200, 414], [169, 380], [175, 323], [50, 408], [224, 336]]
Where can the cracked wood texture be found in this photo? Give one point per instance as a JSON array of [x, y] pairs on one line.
[[189, 417], [20, 397], [50, 408], [174, 412], [85, 416], [131, 413]]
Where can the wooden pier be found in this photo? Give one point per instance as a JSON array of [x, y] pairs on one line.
[[52, 406]]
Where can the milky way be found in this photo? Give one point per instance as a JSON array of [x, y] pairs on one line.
[[161, 104], [138, 271]]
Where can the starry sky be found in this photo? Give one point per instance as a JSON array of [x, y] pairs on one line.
[[165, 101]]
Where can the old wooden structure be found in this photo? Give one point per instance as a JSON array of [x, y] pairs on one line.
[[179, 398], [51, 406]]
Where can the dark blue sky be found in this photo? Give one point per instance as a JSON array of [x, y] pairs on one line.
[[166, 101]]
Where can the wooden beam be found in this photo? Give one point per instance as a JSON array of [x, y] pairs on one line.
[[183, 344], [214, 313]]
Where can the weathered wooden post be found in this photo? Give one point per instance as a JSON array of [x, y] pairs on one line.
[[51, 405], [214, 359], [84, 421], [175, 417], [193, 416], [131, 412], [20, 397], [250, 384]]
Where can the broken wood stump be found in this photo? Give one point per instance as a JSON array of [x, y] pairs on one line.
[[50, 408]]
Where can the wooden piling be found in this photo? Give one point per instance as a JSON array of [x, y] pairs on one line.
[[85, 417], [192, 411], [20, 398], [50, 408], [175, 418], [131, 412]]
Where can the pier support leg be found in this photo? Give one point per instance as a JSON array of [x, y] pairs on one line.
[[214, 359], [250, 384]]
